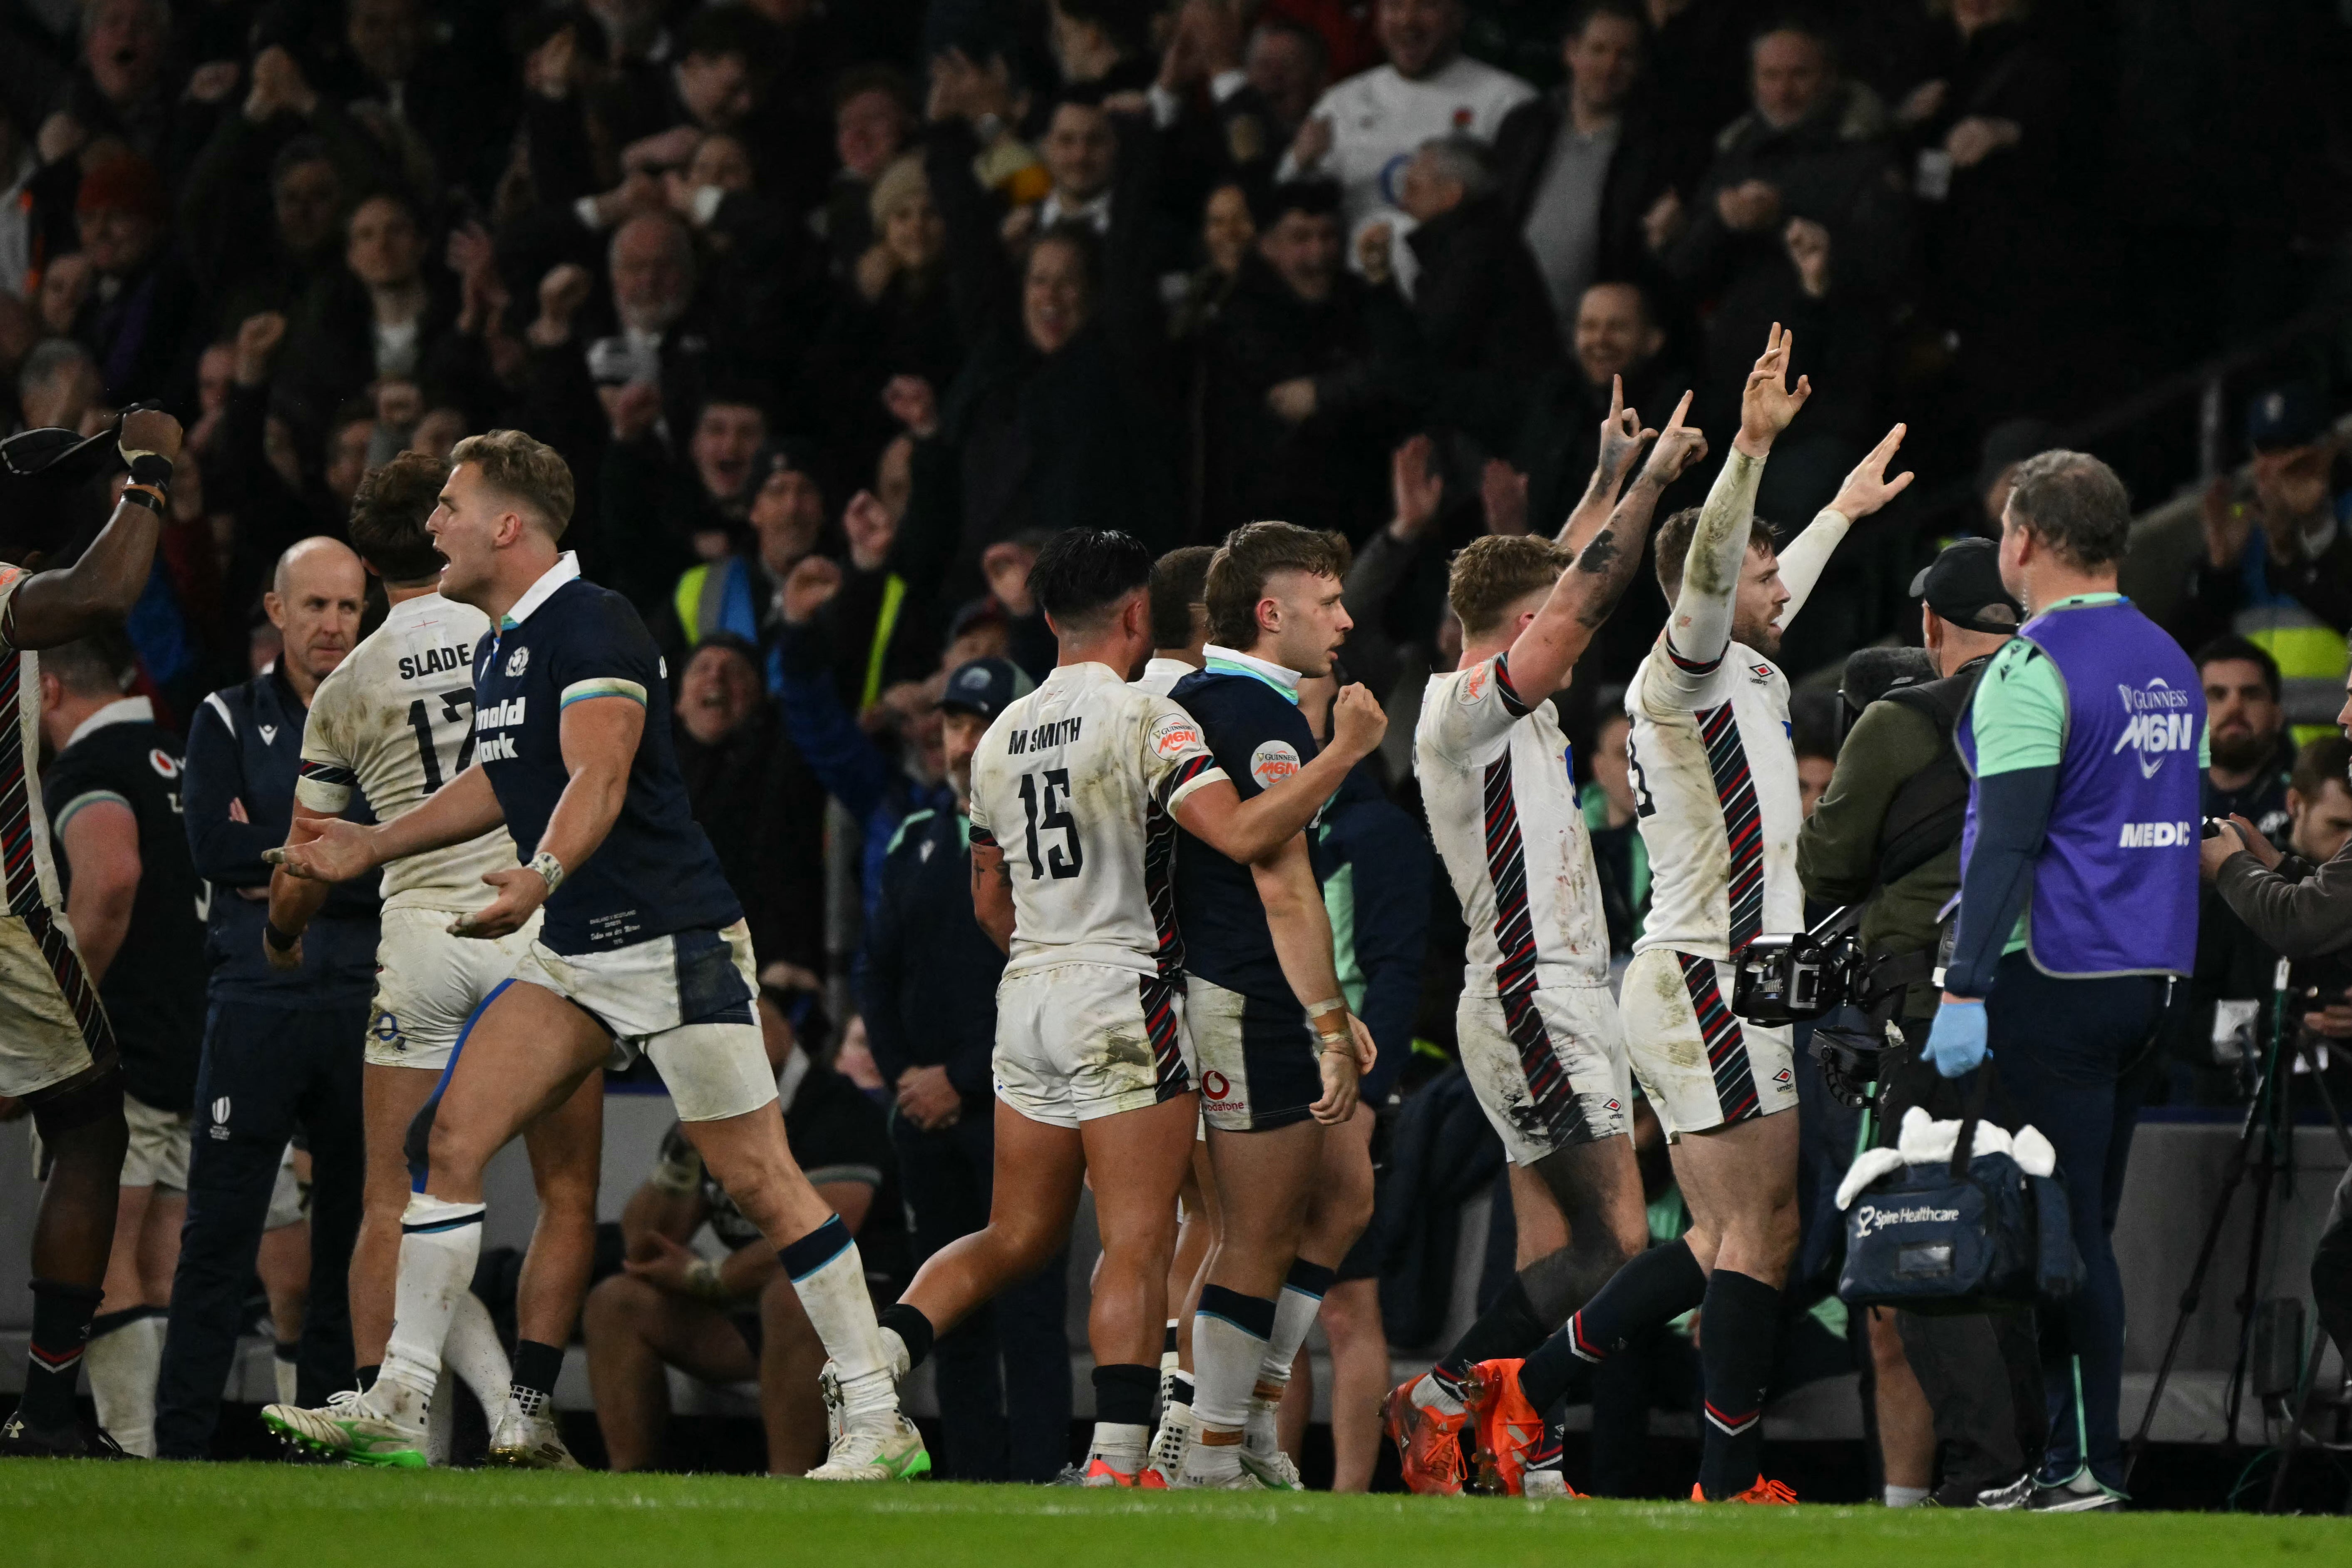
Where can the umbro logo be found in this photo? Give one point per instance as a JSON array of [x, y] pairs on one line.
[[269, 734], [1781, 1077], [519, 663]]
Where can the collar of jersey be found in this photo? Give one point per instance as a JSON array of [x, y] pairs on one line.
[[2081, 602], [122, 710], [566, 568], [1231, 661]]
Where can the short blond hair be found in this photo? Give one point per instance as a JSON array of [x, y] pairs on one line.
[[1491, 574], [522, 469]]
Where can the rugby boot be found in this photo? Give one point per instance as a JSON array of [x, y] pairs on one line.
[[1427, 1434], [1767, 1493], [529, 1439], [352, 1429], [1505, 1428], [889, 1449]]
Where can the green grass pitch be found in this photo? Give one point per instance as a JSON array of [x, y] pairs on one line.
[[90, 1515]]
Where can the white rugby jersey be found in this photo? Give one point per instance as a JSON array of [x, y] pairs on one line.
[[1715, 775], [1497, 784], [395, 721], [1077, 784], [1378, 120], [28, 876]]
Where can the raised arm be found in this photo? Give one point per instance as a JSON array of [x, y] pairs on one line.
[[1621, 440], [1250, 831], [1581, 601], [1866, 490], [1699, 628], [97, 590]]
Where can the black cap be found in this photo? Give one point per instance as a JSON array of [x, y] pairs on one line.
[[985, 687], [1963, 585], [2288, 415]]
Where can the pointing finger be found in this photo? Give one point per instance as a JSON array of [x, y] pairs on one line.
[[1681, 409]]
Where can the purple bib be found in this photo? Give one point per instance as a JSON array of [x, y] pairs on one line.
[[2115, 887]]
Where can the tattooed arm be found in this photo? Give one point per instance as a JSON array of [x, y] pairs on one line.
[[991, 892], [1621, 440], [1547, 649]]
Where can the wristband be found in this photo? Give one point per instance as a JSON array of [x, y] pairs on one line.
[[278, 940], [1336, 1004], [149, 468], [549, 868], [1337, 1045], [144, 495]]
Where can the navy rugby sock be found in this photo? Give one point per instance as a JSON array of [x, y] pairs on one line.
[[536, 1367], [1742, 1319], [61, 1316], [1656, 1288]]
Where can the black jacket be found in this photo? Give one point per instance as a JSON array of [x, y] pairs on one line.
[[765, 814], [927, 976], [1486, 318], [244, 749], [1645, 165]]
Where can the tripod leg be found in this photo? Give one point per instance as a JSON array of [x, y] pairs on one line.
[[2195, 1289]]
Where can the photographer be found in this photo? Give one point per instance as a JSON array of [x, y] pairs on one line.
[[1888, 829], [2303, 912]]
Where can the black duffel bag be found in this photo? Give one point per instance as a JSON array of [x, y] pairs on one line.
[[1960, 1234]]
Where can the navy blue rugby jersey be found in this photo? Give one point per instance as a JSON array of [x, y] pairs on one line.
[[565, 641], [1249, 713]]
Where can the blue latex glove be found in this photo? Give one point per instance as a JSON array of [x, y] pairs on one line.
[[1955, 1043]]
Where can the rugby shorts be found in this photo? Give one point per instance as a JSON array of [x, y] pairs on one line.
[[53, 1033], [157, 1154], [1702, 1065], [1547, 1066], [428, 983], [1079, 1041], [1259, 1070], [684, 1001]]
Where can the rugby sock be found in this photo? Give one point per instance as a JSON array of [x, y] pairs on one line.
[[1170, 1366], [126, 1352], [440, 1242], [1180, 1390], [1656, 1288], [1508, 1328], [824, 1268], [441, 1420], [913, 1328], [536, 1366], [1906, 1497], [1293, 1314], [283, 1370], [61, 1315], [1229, 1339], [1742, 1319], [1123, 1416], [473, 1351]]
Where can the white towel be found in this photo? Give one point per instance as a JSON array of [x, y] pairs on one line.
[[1926, 1141]]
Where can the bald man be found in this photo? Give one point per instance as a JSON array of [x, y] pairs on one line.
[[282, 1049]]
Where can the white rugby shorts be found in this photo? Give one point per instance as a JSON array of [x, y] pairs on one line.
[[1702, 1065], [1079, 1041], [428, 983], [686, 1000], [1548, 1065]]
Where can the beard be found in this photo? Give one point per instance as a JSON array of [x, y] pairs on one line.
[[2241, 750], [1762, 635]]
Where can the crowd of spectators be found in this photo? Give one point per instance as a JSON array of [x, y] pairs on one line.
[[837, 309]]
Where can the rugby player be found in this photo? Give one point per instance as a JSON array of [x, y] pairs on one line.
[[1539, 1036], [1715, 773], [396, 722], [1077, 794], [1279, 1049], [56, 1051], [643, 952]]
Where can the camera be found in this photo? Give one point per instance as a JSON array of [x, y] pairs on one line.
[[1849, 1062], [1788, 979]]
